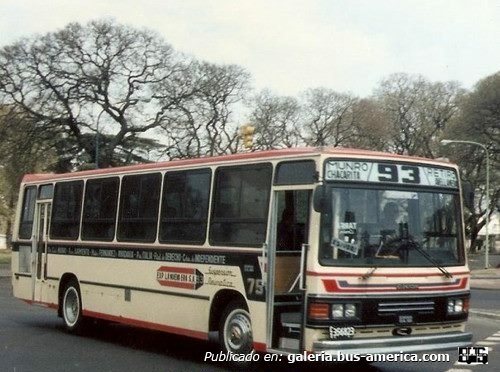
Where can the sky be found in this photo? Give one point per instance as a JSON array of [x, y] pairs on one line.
[[289, 46]]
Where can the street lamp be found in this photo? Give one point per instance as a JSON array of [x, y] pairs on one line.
[[486, 253]]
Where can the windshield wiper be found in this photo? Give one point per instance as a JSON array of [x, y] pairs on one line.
[[419, 249]]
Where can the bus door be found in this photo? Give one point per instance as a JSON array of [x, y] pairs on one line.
[[290, 230], [39, 248]]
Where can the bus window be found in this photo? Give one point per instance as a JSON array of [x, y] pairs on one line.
[[185, 207], [46, 192], [241, 202], [28, 213], [295, 173], [370, 226], [66, 210], [99, 209], [139, 203]]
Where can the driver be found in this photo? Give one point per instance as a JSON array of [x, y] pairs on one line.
[[390, 216], [388, 230]]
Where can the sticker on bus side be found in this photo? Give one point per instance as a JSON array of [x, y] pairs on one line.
[[179, 277]]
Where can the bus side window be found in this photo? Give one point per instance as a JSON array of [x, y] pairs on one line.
[[184, 208], [28, 213], [139, 204], [66, 210], [240, 205], [99, 209]]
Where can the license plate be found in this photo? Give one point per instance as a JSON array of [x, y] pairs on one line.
[[341, 332]]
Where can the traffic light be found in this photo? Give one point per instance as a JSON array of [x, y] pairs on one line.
[[246, 133]]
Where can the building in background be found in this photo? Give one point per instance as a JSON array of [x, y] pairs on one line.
[[493, 231]]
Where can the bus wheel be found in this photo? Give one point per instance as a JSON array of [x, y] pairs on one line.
[[235, 332], [72, 307]]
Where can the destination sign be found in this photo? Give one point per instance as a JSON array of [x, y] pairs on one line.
[[379, 172]]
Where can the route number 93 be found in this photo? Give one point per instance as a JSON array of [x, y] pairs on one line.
[[402, 174]]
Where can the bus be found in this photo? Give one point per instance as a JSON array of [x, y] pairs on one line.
[[303, 250]]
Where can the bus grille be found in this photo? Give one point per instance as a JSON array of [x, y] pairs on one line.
[[390, 308]]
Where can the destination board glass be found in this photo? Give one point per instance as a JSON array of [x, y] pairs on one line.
[[381, 172]]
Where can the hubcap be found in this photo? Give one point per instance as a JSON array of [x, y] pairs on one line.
[[71, 306], [238, 331]]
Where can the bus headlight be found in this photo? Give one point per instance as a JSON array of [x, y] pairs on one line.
[[343, 311], [456, 306]]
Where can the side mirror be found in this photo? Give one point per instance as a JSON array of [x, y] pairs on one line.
[[319, 199], [468, 194]]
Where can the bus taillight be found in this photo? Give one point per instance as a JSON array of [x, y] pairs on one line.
[[319, 310]]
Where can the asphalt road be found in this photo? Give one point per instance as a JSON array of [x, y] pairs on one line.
[[32, 339], [485, 299]]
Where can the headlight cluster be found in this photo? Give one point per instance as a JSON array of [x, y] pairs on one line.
[[340, 311], [457, 306], [335, 311]]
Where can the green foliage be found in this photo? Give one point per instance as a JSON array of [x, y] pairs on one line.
[[22, 150], [479, 121]]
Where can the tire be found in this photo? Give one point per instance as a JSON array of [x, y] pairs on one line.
[[72, 307], [235, 330]]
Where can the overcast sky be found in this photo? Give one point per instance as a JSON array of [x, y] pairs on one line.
[[289, 46]]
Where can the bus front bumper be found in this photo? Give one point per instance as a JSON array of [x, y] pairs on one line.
[[406, 344]]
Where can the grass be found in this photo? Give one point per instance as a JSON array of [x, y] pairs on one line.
[[5, 256]]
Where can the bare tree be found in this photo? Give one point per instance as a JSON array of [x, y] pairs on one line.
[[101, 79], [370, 125], [417, 111], [204, 123], [327, 118], [276, 121]]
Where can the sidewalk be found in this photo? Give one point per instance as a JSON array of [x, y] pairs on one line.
[[482, 278], [485, 279]]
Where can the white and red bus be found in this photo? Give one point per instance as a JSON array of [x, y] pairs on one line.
[[296, 250]]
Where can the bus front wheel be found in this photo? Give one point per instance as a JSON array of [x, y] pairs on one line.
[[235, 332], [72, 307]]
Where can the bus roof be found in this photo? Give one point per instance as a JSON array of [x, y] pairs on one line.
[[268, 154]]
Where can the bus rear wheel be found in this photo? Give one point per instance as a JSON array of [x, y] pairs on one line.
[[235, 331], [72, 307]]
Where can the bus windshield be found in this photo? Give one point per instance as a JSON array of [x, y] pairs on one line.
[[372, 227]]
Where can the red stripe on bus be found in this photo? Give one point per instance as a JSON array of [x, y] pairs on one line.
[[147, 325], [401, 275], [333, 286], [171, 283], [173, 269]]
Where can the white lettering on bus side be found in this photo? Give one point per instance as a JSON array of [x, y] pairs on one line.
[[210, 259]]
